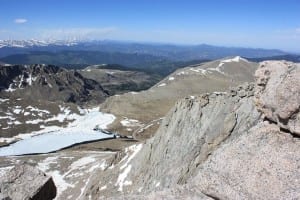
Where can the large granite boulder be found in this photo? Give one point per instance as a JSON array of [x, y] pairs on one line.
[[262, 164], [26, 182], [277, 93]]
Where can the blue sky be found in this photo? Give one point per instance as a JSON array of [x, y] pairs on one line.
[[246, 23]]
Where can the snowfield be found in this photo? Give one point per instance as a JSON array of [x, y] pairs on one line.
[[54, 138]]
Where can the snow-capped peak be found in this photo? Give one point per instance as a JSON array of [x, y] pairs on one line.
[[235, 59], [35, 42]]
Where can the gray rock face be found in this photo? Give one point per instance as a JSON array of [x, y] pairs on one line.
[[26, 182], [193, 129], [216, 146], [263, 163], [278, 93]]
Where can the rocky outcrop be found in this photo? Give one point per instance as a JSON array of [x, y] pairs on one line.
[[219, 146], [26, 182], [278, 93], [263, 163]]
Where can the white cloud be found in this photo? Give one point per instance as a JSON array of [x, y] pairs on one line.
[[20, 21], [79, 33]]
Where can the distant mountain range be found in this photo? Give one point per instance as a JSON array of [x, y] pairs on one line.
[[167, 51]]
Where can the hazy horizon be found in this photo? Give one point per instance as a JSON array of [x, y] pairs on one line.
[[234, 23]]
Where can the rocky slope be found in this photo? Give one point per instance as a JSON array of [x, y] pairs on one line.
[[48, 82], [140, 114], [231, 145]]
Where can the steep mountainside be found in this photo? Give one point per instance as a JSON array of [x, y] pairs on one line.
[[48, 82], [139, 114], [233, 145]]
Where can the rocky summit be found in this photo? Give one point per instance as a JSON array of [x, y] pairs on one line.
[[231, 145]]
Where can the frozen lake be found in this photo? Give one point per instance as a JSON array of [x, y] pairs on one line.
[[55, 138]]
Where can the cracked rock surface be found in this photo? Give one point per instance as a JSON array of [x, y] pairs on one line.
[[277, 93]]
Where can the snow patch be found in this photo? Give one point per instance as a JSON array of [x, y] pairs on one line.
[[220, 67], [35, 109], [219, 93], [8, 117], [82, 162], [110, 72], [235, 59], [202, 71], [45, 165], [121, 179], [162, 85], [30, 79], [35, 121], [17, 111], [103, 187], [103, 165], [217, 69], [180, 73], [17, 123], [10, 88], [4, 170], [59, 181], [130, 122], [134, 149], [3, 100], [26, 113], [221, 64], [133, 93]]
